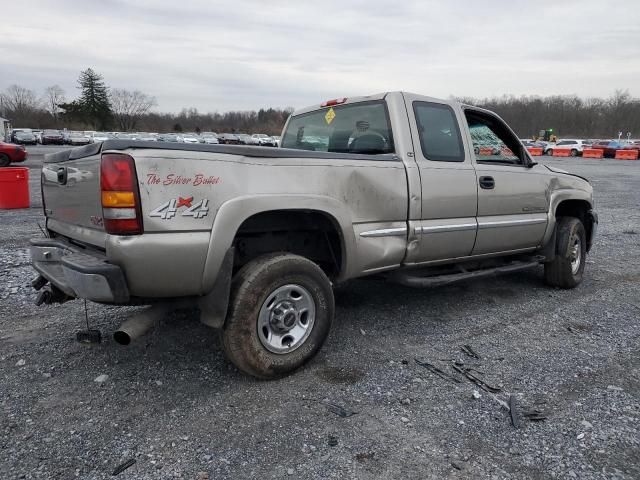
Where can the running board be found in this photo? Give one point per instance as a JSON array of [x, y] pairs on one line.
[[404, 278]]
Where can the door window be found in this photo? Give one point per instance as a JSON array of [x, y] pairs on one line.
[[492, 140], [439, 133]]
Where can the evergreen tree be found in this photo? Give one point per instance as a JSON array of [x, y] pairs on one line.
[[94, 99]]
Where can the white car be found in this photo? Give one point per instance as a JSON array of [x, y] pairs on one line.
[[576, 147], [210, 139], [145, 137], [264, 140], [100, 137], [187, 138]]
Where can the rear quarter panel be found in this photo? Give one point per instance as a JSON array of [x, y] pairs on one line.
[[358, 194]]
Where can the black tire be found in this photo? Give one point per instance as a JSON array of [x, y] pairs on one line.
[[550, 152], [5, 161], [250, 289], [562, 271], [574, 152]]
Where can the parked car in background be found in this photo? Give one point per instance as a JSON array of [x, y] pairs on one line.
[[25, 138], [98, 137], [575, 147], [78, 138], [52, 137], [190, 138], [209, 138], [276, 140], [264, 140], [15, 131], [168, 137], [38, 134], [146, 137], [532, 144], [10, 152], [609, 147], [228, 139], [246, 139]]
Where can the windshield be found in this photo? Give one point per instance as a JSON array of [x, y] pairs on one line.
[[357, 128]]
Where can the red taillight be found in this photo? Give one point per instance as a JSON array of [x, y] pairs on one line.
[[120, 195], [335, 101]]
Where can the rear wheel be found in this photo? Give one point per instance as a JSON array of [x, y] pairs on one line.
[[280, 314], [574, 152], [550, 152], [567, 268], [5, 161]]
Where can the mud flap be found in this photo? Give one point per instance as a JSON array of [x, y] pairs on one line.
[[213, 306], [550, 249]]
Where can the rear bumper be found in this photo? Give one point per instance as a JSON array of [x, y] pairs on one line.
[[79, 274]]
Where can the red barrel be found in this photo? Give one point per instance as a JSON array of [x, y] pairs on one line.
[[14, 187]]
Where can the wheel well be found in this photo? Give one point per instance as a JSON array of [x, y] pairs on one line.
[[578, 209], [308, 233]]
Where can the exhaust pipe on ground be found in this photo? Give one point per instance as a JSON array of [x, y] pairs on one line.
[[139, 324]]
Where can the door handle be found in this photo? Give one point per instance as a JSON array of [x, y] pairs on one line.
[[487, 183]]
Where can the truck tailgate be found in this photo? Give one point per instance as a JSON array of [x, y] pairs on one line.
[[71, 194]]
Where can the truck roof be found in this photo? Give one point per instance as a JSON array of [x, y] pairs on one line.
[[364, 98]]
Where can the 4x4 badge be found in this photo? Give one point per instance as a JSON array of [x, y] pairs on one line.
[[169, 209]]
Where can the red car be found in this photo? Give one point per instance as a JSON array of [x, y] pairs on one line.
[[609, 147], [10, 152]]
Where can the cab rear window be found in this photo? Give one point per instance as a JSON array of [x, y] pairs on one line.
[[362, 127]]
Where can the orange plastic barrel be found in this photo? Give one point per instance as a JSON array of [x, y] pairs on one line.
[[14, 187]]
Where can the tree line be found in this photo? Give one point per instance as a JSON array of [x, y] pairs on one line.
[[99, 107], [568, 115]]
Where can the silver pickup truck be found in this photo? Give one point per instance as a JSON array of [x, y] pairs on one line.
[[421, 191]]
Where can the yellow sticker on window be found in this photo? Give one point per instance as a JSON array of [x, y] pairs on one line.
[[329, 116]]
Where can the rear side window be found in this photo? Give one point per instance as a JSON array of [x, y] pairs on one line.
[[439, 133], [355, 128]]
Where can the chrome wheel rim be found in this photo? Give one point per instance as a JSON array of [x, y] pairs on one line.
[[286, 318], [576, 255]]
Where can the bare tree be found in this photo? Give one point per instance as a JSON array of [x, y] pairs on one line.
[[53, 97], [18, 100], [128, 107]]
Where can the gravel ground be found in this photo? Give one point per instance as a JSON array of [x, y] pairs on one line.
[[174, 405]]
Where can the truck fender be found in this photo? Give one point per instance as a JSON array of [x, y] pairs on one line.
[[233, 213], [556, 198]]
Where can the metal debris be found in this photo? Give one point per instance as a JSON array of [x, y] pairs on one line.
[[437, 371], [534, 415], [467, 350], [340, 411], [332, 441], [121, 468], [478, 381], [515, 419]]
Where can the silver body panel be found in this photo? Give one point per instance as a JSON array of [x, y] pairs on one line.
[[392, 213]]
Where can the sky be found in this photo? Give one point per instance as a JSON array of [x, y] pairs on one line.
[[250, 54]]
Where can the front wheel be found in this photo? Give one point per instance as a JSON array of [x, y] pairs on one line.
[[280, 314], [567, 268], [550, 152], [5, 161]]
